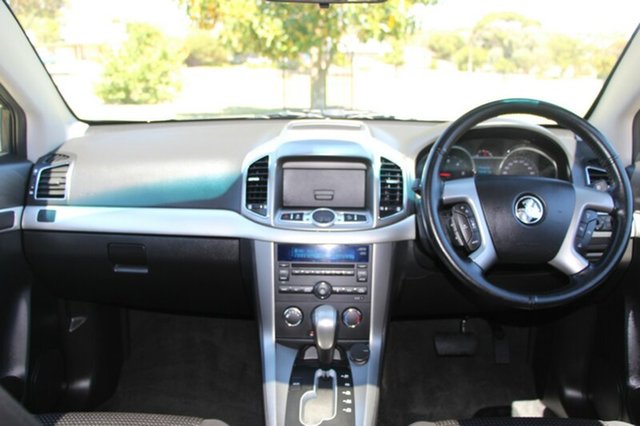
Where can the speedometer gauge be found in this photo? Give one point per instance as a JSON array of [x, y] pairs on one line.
[[519, 165], [457, 164], [528, 161]]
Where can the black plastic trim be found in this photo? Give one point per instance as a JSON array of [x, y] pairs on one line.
[[18, 125]]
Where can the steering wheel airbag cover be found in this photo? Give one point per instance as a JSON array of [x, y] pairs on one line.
[[515, 241]]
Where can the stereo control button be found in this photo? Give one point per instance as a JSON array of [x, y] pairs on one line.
[[323, 216], [352, 317], [322, 290], [292, 316]]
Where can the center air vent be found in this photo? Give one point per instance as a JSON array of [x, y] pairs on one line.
[[257, 186], [391, 188], [52, 182]]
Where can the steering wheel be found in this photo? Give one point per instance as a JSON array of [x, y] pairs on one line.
[[523, 219]]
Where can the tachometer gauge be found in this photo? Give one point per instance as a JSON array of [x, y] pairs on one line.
[[457, 164], [527, 161]]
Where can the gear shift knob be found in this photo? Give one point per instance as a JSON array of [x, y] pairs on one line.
[[325, 321]]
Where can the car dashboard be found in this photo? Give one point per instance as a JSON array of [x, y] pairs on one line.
[[211, 217]]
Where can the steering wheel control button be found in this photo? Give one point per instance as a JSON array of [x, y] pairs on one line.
[[293, 316], [463, 228], [323, 217], [587, 226], [322, 290], [529, 210], [351, 317]]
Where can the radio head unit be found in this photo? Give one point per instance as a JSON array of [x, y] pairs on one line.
[[307, 276]]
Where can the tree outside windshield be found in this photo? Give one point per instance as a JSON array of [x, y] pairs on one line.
[[141, 60]]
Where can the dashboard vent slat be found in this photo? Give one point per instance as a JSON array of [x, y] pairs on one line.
[[391, 188], [257, 186], [55, 158], [52, 182]]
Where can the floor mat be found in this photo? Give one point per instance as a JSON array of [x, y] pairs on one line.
[[419, 385], [193, 366]]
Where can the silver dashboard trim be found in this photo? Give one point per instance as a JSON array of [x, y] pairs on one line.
[[17, 218], [200, 222], [367, 377], [635, 231], [337, 139], [277, 360], [464, 191], [568, 260]]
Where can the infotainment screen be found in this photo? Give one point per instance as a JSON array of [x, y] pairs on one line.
[[326, 253], [324, 187]]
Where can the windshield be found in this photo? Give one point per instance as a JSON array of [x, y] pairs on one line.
[[148, 60]]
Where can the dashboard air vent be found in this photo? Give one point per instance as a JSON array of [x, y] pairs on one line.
[[598, 178], [55, 158], [52, 182], [391, 188], [257, 186]]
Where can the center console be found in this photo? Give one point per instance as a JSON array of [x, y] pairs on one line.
[[322, 299], [332, 207]]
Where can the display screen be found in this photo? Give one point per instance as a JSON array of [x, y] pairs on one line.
[[336, 188], [327, 253]]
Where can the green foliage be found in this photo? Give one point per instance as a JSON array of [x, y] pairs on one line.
[[606, 56], [39, 18], [445, 45], [470, 58], [37, 8], [145, 70], [203, 49], [565, 50], [396, 55], [510, 39], [285, 32]]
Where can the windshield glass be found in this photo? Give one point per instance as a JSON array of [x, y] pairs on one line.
[[148, 60]]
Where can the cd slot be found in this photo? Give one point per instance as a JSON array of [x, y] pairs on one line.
[[315, 269]]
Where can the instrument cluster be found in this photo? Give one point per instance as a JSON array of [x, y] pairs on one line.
[[482, 153]]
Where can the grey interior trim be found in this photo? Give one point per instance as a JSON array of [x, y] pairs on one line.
[[17, 215], [464, 191], [366, 378], [200, 222], [568, 260], [277, 360], [635, 231]]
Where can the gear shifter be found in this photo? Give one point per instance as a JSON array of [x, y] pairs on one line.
[[325, 321]]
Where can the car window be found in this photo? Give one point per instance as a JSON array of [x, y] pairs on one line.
[[409, 59]]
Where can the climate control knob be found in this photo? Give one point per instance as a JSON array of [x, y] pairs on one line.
[[352, 317], [293, 316], [322, 290]]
